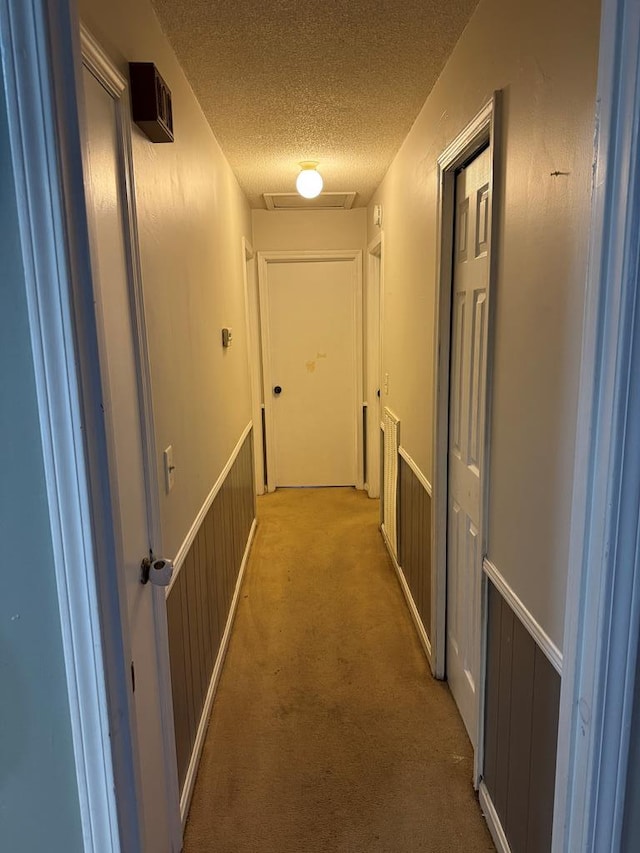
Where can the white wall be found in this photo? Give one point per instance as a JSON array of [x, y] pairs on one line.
[[192, 216], [307, 230], [543, 57], [39, 808]]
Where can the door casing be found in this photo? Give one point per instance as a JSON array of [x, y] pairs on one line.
[[372, 380], [264, 260], [481, 132], [254, 356]]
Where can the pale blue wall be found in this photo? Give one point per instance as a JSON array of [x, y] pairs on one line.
[[39, 809]]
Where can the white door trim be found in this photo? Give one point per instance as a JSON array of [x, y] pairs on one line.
[[255, 367], [41, 58], [100, 65], [264, 259], [479, 133], [375, 256], [603, 592]]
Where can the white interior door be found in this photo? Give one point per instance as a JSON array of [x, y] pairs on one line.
[[111, 272], [312, 342], [466, 434]]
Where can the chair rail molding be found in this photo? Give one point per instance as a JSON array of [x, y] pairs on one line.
[[426, 485], [204, 509], [542, 639]]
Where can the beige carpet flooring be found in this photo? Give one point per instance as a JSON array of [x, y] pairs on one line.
[[328, 732]]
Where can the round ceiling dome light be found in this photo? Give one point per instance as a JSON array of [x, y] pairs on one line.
[[309, 181]]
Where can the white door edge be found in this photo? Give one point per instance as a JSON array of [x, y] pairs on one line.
[[265, 258], [479, 133]]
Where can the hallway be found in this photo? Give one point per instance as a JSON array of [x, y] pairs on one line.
[[328, 732]]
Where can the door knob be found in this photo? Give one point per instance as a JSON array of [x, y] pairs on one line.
[[277, 390]]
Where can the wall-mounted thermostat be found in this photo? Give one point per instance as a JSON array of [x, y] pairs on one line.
[[227, 337]]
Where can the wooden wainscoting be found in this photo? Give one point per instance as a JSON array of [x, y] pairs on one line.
[[199, 605], [415, 540], [521, 729], [412, 561]]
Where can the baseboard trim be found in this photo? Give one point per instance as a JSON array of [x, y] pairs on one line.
[[542, 639], [492, 819], [426, 485], [404, 586], [206, 506], [190, 779]]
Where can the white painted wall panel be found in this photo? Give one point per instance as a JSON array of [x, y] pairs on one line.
[[543, 56], [192, 217], [287, 230]]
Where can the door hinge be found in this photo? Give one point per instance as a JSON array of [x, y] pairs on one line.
[[133, 678]]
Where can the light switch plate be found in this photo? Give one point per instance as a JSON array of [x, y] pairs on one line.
[[169, 469]]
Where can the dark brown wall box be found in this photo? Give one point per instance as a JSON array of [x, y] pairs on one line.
[[151, 107]]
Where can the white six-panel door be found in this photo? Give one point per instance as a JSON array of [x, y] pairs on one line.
[[312, 352], [466, 434]]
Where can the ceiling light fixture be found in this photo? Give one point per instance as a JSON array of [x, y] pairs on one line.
[[309, 181]]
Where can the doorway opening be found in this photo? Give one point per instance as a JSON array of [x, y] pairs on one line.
[[311, 334], [467, 213]]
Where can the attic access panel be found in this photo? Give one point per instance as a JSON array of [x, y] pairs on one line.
[[325, 201]]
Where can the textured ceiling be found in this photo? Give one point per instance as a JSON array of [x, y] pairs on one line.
[[338, 81]]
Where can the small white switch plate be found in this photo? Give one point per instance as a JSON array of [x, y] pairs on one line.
[[169, 469]]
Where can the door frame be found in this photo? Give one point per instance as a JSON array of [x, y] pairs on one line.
[[98, 63], [264, 260], [254, 356], [479, 134], [375, 266]]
